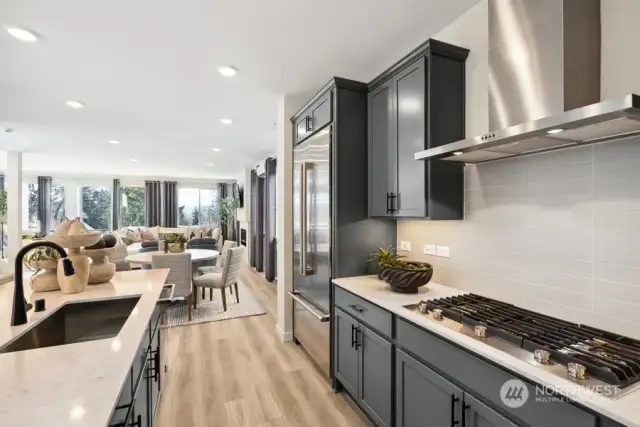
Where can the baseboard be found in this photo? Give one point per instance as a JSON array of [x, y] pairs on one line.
[[284, 336]]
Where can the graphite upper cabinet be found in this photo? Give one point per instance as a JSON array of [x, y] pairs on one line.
[[424, 398], [417, 104], [363, 365], [313, 118]]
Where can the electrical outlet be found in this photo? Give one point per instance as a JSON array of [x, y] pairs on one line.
[[405, 246], [429, 249], [443, 251]]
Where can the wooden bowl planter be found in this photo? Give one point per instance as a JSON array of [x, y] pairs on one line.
[[175, 248], [46, 280], [406, 281], [100, 270]]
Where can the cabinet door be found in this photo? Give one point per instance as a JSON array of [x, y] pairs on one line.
[[424, 398], [477, 414], [409, 91], [301, 129], [346, 354], [321, 112], [375, 373], [141, 404], [382, 150], [155, 370]]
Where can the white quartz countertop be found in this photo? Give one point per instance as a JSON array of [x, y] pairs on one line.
[[625, 410], [76, 384]]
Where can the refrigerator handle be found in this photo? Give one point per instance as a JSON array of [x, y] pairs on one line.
[[305, 269], [323, 317]]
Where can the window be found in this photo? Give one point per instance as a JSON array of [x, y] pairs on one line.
[[3, 206], [198, 207], [132, 207], [58, 213], [96, 207]]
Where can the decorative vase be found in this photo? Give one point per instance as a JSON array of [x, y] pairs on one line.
[[175, 248], [47, 279], [101, 270], [406, 281], [80, 279]]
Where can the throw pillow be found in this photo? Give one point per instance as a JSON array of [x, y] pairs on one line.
[[134, 235], [127, 241], [147, 235]]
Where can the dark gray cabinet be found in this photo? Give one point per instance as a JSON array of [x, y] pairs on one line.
[[424, 398], [313, 118], [416, 104], [375, 370], [363, 365], [383, 161], [477, 414], [346, 353]]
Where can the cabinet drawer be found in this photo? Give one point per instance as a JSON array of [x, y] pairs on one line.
[[364, 311], [484, 379]]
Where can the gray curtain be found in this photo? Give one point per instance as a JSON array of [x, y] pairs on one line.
[[222, 190], [44, 203], [1, 182], [152, 203], [115, 220], [170, 204]]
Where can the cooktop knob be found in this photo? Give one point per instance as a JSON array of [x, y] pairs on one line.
[[577, 371], [542, 356], [480, 331], [437, 314], [423, 307]]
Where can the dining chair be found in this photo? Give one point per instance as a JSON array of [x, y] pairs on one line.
[[228, 244], [179, 266], [227, 278]]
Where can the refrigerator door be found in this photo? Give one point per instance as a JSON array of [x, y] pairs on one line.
[[312, 248], [312, 219]]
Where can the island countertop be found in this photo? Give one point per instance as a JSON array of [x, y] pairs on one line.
[[623, 410], [75, 384]]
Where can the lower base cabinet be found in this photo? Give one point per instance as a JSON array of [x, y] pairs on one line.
[[426, 399], [363, 365]]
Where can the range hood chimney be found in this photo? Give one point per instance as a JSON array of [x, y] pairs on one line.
[[544, 84]]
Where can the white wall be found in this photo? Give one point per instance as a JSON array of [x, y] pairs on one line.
[[549, 232]]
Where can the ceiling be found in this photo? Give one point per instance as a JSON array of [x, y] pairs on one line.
[[146, 71]]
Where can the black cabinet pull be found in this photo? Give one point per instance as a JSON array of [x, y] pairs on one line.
[[357, 308], [358, 342], [354, 336], [392, 196], [137, 422], [454, 400], [387, 202], [308, 123], [464, 414]]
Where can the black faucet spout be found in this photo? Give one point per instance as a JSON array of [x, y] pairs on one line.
[[20, 306]]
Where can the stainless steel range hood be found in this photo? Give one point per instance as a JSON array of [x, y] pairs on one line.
[[602, 122], [544, 84]]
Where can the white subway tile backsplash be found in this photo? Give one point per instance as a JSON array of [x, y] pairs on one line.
[[555, 232]]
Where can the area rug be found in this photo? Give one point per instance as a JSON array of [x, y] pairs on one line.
[[211, 311]]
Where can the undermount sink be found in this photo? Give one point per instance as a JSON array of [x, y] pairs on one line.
[[76, 322]]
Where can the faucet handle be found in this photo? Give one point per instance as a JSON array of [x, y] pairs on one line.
[[67, 265]]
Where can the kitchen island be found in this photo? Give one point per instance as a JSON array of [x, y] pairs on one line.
[[402, 367], [76, 384]]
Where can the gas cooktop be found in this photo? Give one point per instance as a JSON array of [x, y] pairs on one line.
[[602, 361]]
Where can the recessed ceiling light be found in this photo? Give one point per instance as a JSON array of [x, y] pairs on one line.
[[552, 131], [134, 160], [457, 153], [76, 105], [209, 164], [227, 71], [22, 34], [215, 149], [226, 121], [114, 142]]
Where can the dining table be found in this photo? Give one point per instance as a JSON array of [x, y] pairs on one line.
[[197, 255]]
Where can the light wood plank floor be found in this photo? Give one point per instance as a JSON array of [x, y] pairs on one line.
[[237, 373]]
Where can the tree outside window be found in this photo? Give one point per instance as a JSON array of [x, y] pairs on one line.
[[132, 206], [58, 213], [198, 207], [96, 207], [32, 207]]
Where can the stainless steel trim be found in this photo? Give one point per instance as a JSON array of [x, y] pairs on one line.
[[304, 229], [606, 121], [321, 316]]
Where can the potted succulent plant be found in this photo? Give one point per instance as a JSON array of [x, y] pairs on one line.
[[175, 242], [402, 276]]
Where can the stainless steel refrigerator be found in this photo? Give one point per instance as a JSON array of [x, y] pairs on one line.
[[311, 246], [333, 233]]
